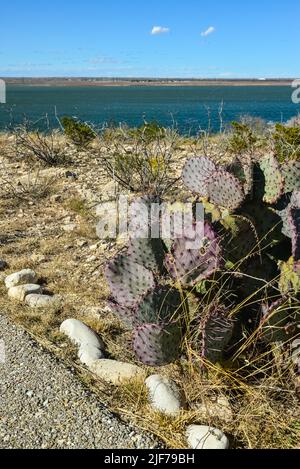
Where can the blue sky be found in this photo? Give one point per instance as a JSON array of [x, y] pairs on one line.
[[157, 38]]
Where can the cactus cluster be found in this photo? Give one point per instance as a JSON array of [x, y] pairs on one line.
[[259, 210], [146, 284], [249, 237]]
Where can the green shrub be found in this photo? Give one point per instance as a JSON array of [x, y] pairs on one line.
[[150, 131], [47, 149], [242, 139], [80, 133], [287, 142]]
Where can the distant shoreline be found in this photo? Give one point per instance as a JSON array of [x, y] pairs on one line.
[[94, 82]]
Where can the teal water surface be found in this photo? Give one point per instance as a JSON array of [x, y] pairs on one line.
[[189, 107]]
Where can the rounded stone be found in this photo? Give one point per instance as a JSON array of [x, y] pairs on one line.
[[20, 292], [205, 437], [80, 333], [22, 277], [116, 372], [164, 395], [91, 346], [87, 354], [41, 301]]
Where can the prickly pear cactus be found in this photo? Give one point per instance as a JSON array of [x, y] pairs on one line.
[[291, 203], [148, 252], [157, 345], [294, 221], [195, 174], [202, 176], [215, 332], [225, 190], [291, 175], [279, 322], [163, 304], [274, 182], [242, 169], [194, 258], [128, 281]]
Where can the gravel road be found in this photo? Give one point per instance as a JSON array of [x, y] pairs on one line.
[[44, 405]]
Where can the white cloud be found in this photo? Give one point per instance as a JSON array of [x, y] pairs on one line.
[[209, 31], [225, 74], [159, 30]]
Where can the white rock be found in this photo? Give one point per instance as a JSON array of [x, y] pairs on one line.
[[91, 346], [21, 291], [20, 278], [220, 408], [41, 301], [204, 437], [80, 333], [164, 394], [116, 372], [87, 354]]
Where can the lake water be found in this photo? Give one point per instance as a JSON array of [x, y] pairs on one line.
[[187, 106]]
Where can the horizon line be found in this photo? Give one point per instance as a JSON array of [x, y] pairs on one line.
[[82, 77]]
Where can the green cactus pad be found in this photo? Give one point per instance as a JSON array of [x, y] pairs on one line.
[[225, 190], [157, 345], [274, 182], [215, 333], [142, 216], [285, 214], [291, 174], [286, 227], [163, 304], [147, 252], [294, 221], [124, 314], [189, 266], [243, 171], [128, 281], [256, 278], [195, 173], [278, 323], [267, 223], [294, 218], [240, 240]]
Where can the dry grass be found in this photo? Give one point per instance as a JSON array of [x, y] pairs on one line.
[[263, 392]]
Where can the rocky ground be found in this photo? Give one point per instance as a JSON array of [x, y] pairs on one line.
[[43, 404]]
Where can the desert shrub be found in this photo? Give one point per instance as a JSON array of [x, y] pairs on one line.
[[149, 132], [256, 124], [80, 133], [47, 149], [287, 142], [32, 187], [242, 139], [137, 164]]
